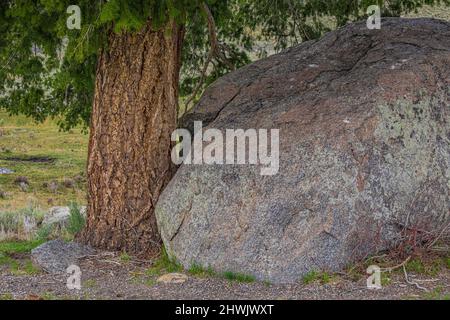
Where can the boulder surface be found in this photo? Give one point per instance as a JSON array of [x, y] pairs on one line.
[[56, 256], [364, 120]]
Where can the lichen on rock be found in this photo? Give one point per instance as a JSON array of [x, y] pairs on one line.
[[364, 120]]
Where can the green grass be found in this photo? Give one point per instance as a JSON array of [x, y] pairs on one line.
[[164, 264], [430, 267], [12, 223], [316, 276], [238, 277], [18, 266], [385, 279], [22, 138], [437, 294], [48, 296], [24, 268], [125, 257], [76, 219], [91, 283], [12, 247], [6, 296], [150, 282], [199, 271]]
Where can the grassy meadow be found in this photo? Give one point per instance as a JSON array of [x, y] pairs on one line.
[[49, 165]]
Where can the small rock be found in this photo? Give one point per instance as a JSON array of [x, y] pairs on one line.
[[68, 183], [6, 171], [56, 256], [172, 278]]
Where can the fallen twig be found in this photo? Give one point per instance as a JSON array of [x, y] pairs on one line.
[[412, 282], [390, 269]]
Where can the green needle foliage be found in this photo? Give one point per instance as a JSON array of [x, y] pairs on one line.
[[48, 70]]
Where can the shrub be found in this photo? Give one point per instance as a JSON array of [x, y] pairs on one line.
[[76, 220]]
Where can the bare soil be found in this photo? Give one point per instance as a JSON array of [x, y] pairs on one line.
[[105, 276]]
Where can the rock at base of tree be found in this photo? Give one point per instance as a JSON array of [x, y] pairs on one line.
[[364, 120], [59, 216], [56, 256], [172, 278]]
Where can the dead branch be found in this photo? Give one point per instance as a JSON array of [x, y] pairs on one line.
[[439, 236], [412, 282], [390, 269], [216, 51]]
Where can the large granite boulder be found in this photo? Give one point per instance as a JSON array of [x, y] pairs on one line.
[[364, 119]]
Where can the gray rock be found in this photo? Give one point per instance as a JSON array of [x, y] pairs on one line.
[[6, 171], [364, 119], [59, 215], [56, 256]]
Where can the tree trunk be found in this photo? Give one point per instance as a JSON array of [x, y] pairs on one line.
[[133, 116]]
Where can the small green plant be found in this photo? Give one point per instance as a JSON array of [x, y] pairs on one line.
[[30, 268], [385, 279], [429, 267], [150, 282], [447, 262], [5, 260], [6, 296], [125, 257], [23, 268], [199, 271], [76, 219], [238, 277], [90, 283], [17, 267], [48, 296], [44, 232], [321, 277], [416, 266], [326, 277], [310, 277], [164, 264]]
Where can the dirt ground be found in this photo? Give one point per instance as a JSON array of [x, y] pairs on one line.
[[107, 277]]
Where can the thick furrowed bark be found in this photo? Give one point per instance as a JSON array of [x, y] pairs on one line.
[[134, 114]]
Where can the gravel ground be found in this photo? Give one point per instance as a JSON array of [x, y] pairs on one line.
[[107, 277]]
